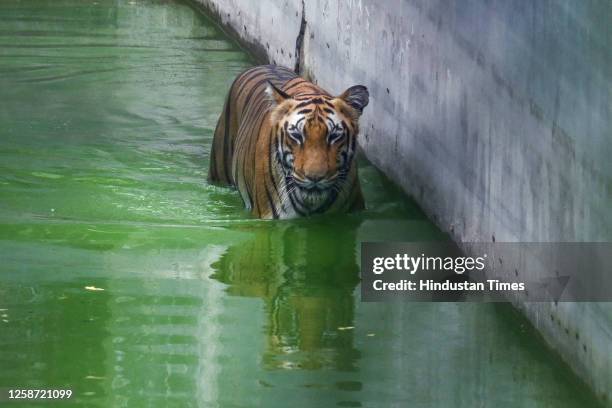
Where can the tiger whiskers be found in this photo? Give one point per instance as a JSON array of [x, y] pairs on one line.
[[286, 189]]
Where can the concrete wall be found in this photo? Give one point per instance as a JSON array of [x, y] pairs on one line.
[[493, 114]]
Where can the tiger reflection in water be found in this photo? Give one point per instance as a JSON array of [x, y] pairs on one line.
[[307, 278]]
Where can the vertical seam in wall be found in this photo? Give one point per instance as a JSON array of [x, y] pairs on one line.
[[299, 43]]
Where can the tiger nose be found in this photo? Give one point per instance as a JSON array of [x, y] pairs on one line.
[[315, 177], [315, 171]]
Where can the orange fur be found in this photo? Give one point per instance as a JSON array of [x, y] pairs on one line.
[[287, 145]]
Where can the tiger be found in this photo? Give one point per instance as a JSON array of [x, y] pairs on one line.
[[287, 145]]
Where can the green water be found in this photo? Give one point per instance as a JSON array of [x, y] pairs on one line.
[[107, 110]]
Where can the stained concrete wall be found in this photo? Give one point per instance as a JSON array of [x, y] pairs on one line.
[[493, 114]]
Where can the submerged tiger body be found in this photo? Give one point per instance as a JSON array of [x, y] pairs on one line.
[[287, 145]]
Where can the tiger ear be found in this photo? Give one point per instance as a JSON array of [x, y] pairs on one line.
[[356, 96], [276, 94]]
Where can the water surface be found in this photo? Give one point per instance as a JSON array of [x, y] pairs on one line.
[[106, 117]]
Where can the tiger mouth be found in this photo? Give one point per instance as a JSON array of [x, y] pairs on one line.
[[321, 186], [314, 198], [316, 190]]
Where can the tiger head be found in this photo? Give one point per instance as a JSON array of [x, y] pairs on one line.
[[316, 139]]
